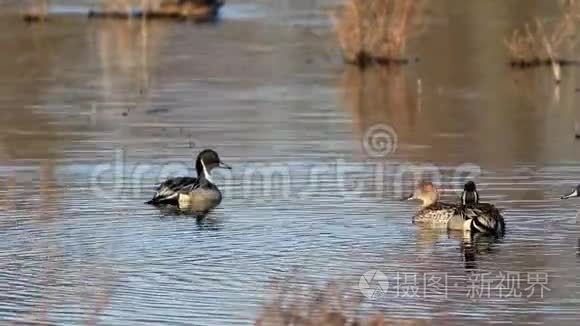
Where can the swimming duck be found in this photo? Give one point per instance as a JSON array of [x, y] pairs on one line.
[[486, 217], [197, 194], [432, 211], [474, 217]]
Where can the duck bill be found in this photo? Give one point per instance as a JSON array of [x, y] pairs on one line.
[[222, 165], [408, 197], [570, 195]]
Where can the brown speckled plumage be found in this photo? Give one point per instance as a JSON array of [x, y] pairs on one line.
[[437, 214], [475, 217]]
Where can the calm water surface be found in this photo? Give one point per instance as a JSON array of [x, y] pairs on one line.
[[94, 114]]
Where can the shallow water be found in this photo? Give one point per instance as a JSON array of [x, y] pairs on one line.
[[94, 114]]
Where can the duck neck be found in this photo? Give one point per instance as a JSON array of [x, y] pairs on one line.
[[469, 197], [203, 173], [429, 200]]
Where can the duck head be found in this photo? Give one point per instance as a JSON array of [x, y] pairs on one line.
[[469, 186], [574, 193], [470, 194], [426, 192], [206, 161]]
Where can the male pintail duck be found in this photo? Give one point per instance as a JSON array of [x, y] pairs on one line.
[[197, 194], [489, 219], [474, 217]]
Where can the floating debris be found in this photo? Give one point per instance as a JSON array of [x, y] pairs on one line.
[[193, 10]]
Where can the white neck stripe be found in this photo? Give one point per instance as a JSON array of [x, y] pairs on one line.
[[205, 173]]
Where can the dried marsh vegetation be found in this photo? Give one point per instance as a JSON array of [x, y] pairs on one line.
[[546, 41], [332, 305], [196, 10], [35, 11], [376, 31]]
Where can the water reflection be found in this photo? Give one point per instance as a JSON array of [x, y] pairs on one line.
[[471, 247], [128, 52], [28, 135], [382, 95], [209, 221], [475, 245]]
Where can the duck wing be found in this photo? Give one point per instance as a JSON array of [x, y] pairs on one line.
[[486, 218], [442, 206], [168, 191], [438, 214], [190, 187], [480, 209]]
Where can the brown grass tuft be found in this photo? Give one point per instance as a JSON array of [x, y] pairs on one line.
[[330, 306], [546, 42], [376, 31], [293, 305], [35, 11]]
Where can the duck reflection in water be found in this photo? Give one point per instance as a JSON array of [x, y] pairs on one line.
[[475, 245], [472, 246], [203, 221]]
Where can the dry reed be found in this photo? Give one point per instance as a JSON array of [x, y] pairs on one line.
[[329, 306], [35, 11], [376, 31], [546, 42]]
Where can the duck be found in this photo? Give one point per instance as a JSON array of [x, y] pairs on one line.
[[474, 217], [486, 218], [196, 194]]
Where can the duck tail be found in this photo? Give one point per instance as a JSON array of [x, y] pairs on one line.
[[152, 201], [160, 201], [501, 227], [489, 225], [484, 224]]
